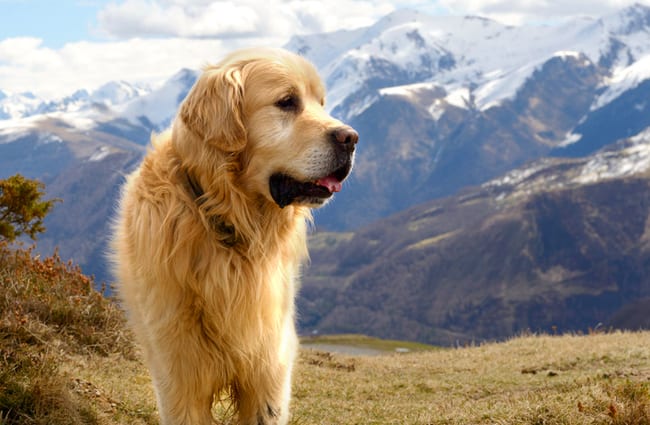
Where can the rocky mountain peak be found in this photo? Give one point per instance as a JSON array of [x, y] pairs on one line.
[[630, 20]]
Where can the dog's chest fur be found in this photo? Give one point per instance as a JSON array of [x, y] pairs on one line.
[[250, 284]]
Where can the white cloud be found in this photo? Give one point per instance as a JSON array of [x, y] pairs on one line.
[[25, 65], [170, 18], [516, 12], [235, 19]]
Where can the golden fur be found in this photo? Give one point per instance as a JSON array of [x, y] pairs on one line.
[[208, 277]]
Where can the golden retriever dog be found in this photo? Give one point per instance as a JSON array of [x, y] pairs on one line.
[[211, 233]]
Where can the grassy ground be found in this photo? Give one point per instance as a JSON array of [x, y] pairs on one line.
[[595, 379], [65, 358], [352, 343]]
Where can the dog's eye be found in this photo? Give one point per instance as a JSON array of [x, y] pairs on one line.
[[289, 103]]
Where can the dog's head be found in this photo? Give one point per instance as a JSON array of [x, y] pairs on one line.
[[265, 107]]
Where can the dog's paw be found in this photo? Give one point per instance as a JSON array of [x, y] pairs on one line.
[[271, 416]]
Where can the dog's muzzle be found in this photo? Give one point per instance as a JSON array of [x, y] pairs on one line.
[[286, 190]]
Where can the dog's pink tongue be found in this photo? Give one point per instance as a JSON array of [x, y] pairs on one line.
[[331, 183]]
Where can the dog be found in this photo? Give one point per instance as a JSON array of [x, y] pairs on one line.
[[210, 235]]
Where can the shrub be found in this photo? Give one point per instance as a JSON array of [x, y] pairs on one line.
[[21, 209]]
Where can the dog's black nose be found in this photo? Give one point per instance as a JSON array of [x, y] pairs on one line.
[[346, 137]]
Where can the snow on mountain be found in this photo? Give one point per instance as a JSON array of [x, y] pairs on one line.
[[158, 107], [16, 105], [117, 93], [74, 111], [81, 109], [623, 79], [101, 153], [630, 157], [140, 105], [633, 158], [3, 114], [629, 21], [489, 60], [77, 101]]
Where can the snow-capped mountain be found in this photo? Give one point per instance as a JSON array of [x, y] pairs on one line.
[[101, 104], [118, 105], [478, 62], [470, 98], [17, 105], [628, 158], [158, 107], [117, 93]]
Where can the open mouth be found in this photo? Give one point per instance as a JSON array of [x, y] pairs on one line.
[[286, 190]]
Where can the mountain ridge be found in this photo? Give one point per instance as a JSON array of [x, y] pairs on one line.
[[559, 244]]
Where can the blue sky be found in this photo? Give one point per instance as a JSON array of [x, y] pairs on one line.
[[56, 22], [52, 48]]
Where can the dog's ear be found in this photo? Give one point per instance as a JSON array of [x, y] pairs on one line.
[[214, 107]]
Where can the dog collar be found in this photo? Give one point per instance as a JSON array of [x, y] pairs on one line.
[[224, 229]]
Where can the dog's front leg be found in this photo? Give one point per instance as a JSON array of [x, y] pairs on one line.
[[264, 399]]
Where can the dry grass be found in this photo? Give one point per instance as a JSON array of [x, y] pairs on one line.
[[595, 379], [50, 315], [364, 342], [65, 358]]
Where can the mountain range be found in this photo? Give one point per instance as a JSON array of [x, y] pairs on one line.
[[562, 245], [446, 107]]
